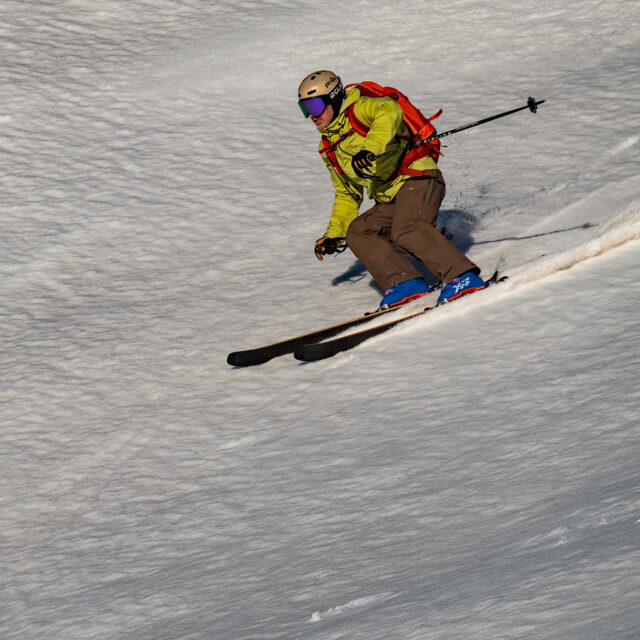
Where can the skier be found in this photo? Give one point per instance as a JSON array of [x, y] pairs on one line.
[[407, 199]]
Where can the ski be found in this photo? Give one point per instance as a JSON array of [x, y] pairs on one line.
[[259, 355], [320, 350]]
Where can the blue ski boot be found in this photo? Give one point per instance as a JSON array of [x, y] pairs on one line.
[[404, 292], [461, 286]]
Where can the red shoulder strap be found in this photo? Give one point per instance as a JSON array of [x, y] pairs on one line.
[[328, 148], [359, 126]]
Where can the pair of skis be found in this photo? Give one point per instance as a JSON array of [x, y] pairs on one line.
[[325, 347], [321, 344]]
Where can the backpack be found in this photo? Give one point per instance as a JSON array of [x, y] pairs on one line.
[[419, 126]]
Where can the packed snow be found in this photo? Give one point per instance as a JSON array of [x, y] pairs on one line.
[[472, 473]]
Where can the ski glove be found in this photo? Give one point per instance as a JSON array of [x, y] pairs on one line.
[[362, 161], [326, 246]]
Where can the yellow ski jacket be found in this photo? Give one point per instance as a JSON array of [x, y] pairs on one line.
[[384, 117]]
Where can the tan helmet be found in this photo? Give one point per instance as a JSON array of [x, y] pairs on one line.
[[319, 89], [319, 83]]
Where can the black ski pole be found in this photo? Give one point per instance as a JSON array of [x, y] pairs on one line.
[[532, 105]]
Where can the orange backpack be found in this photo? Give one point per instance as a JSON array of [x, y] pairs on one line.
[[419, 126]]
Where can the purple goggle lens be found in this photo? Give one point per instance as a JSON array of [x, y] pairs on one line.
[[313, 106]]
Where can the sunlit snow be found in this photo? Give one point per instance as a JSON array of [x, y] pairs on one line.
[[472, 474]]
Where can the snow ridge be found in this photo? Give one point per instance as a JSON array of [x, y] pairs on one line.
[[622, 229]]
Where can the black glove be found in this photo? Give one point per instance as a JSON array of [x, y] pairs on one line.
[[326, 246], [361, 162]]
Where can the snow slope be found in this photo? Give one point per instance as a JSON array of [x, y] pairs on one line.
[[472, 474]]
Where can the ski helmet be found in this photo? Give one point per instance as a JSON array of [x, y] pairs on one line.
[[318, 90]]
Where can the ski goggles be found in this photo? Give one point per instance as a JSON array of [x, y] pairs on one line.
[[314, 106]]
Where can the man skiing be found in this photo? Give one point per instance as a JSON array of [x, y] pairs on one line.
[[355, 129]]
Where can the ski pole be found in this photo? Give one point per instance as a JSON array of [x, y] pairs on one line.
[[532, 105]]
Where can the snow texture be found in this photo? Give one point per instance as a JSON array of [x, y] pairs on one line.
[[470, 474]]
